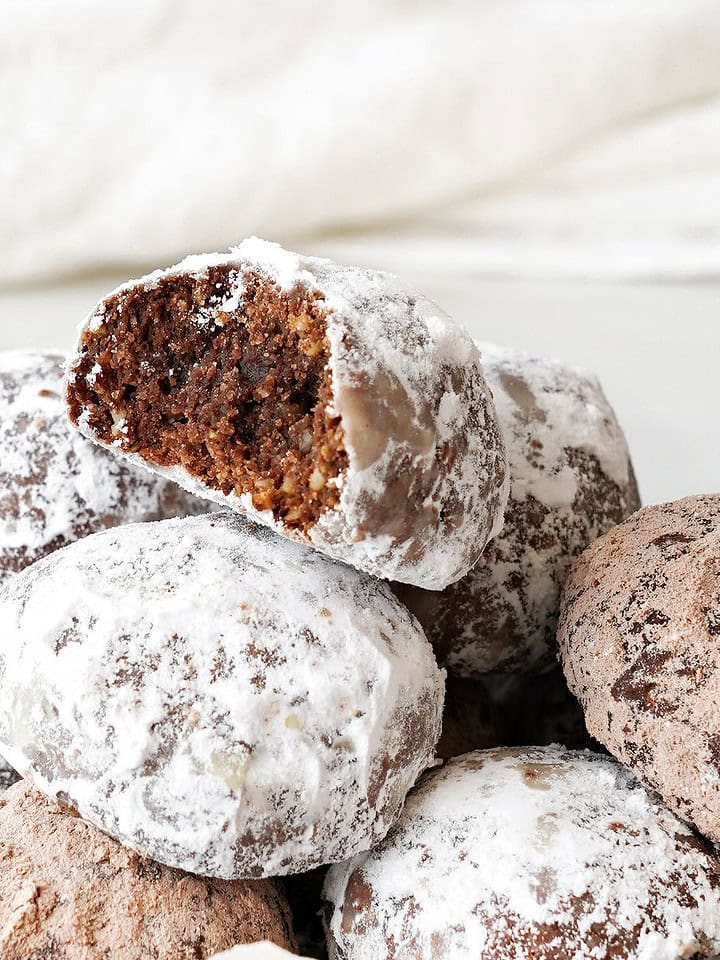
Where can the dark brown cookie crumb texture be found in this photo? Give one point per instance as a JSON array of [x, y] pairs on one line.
[[240, 400]]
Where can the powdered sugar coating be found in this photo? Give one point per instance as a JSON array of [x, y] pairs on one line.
[[217, 698], [255, 951], [571, 480], [55, 487], [639, 642], [426, 483], [535, 853]]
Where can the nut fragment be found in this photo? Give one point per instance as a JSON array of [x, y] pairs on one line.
[[317, 480]]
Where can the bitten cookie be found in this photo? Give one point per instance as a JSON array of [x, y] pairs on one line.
[[538, 853], [571, 481], [639, 641], [55, 486], [68, 892], [327, 402], [220, 699]]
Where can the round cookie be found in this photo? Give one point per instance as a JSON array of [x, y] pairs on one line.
[[571, 480], [328, 402], [639, 641], [68, 892], [55, 486], [215, 697], [539, 853]]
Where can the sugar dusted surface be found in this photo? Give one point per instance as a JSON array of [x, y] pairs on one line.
[[535, 852], [55, 486], [426, 484], [220, 699], [571, 480]]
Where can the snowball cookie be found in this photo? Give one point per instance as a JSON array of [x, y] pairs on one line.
[[55, 487], [571, 481], [639, 641], [68, 892], [219, 699], [535, 853], [330, 403]]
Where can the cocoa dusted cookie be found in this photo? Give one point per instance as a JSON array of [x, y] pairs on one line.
[[56, 486], [68, 892], [534, 853], [571, 480], [328, 402], [639, 637], [215, 697]]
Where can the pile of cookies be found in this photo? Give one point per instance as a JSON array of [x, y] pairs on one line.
[[281, 541]]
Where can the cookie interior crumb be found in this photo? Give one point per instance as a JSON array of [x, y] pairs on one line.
[[241, 397]]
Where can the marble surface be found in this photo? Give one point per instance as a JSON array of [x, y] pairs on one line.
[[655, 346]]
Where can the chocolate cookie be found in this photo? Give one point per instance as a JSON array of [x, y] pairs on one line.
[[539, 853], [56, 486], [639, 641], [68, 892], [327, 402], [571, 480], [215, 697]]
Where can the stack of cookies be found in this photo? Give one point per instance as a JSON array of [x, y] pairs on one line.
[[282, 541]]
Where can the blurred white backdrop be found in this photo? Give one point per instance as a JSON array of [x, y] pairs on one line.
[[547, 170]]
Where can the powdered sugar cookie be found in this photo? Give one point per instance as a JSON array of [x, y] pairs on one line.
[[539, 853], [571, 481], [328, 402], [222, 700]]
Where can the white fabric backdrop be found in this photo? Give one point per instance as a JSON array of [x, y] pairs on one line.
[[517, 137]]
